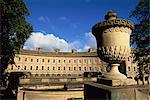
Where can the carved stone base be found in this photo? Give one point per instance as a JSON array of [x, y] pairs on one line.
[[105, 81], [114, 73]]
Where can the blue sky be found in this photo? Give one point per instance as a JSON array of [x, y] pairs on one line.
[[70, 21]]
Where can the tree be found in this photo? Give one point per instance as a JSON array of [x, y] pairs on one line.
[[141, 35], [14, 30]]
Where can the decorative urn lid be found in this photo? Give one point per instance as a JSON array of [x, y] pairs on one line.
[[111, 20]]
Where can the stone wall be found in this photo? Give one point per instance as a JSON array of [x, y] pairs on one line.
[[49, 95]]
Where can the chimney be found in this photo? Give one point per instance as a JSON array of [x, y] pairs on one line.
[[91, 50], [39, 49], [74, 50], [57, 50]]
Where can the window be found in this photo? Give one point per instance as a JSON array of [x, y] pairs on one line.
[[59, 61], [42, 67], [69, 74], [69, 61], [47, 68], [25, 67], [64, 61], [84, 68], [47, 75], [74, 61], [79, 68], [90, 68], [36, 75], [90, 60], [30, 67], [19, 59], [74, 68], [36, 67], [37, 60], [53, 60], [42, 75], [18, 67], [69, 68], [58, 68], [25, 59], [95, 60], [53, 68], [84, 60], [12, 67], [42, 60], [31, 60], [79, 61], [48, 60], [134, 69], [80, 74], [128, 58], [64, 68], [129, 68]]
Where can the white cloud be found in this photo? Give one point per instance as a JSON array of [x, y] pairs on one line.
[[63, 18], [49, 42], [90, 41], [43, 19]]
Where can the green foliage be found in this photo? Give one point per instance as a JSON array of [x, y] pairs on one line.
[[141, 35], [13, 32]]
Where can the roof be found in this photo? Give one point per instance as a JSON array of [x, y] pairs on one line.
[[58, 54]]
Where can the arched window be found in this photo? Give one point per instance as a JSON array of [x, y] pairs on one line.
[[36, 75], [42, 75], [47, 75]]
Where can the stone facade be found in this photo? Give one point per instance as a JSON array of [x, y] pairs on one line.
[[38, 63]]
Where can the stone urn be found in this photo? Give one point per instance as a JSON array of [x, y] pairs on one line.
[[113, 42]]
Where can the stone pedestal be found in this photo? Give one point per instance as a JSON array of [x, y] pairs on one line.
[[114, 73], [96, 91], [109, 82]]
